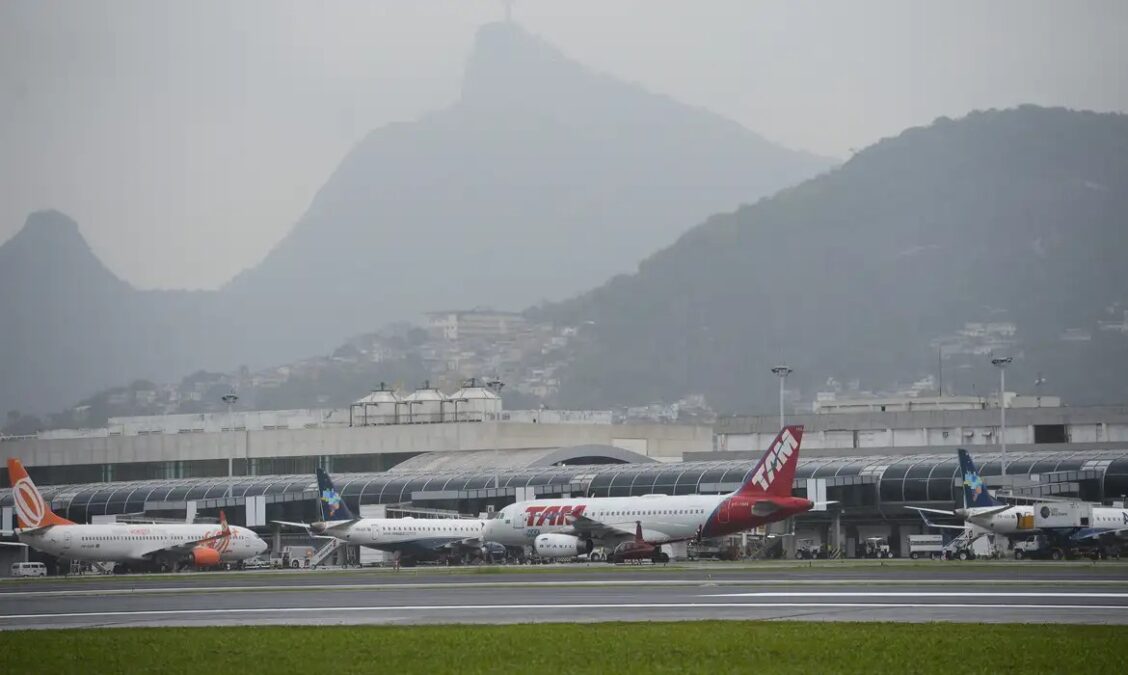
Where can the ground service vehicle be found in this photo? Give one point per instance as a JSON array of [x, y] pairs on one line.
[[929, 546], [807, 549], [1061, 547], [29, 569], [876, 547]]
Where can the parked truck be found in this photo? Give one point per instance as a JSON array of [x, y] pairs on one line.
[[929, 546], [1051, 547]]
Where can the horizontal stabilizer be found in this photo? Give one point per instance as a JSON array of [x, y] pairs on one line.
[[936, 511], [303, 526]]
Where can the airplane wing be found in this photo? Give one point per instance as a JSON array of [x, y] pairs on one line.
[[468, 542], [328, 527], [183, 547], [612, 533], [1097, 533]]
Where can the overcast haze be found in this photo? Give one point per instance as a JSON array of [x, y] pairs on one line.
[[187, 138]]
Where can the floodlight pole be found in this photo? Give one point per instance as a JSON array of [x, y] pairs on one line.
[[781, 372], [1001, 363], [230, 400]]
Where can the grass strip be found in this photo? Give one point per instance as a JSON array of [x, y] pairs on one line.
[[654, 647]]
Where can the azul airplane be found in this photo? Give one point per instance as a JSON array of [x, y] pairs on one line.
[[407, 538], [558, 528], [981, 508], [134, 546], [984, 510]]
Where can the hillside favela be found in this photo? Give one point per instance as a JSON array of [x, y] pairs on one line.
[[767, 333]]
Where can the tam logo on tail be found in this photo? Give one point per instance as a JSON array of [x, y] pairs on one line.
[[786, 444]]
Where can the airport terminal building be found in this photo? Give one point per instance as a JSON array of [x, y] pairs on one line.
[[476, 466]]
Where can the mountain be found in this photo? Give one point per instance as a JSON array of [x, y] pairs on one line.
[[541, 180], [70, 324], [1004, 230]]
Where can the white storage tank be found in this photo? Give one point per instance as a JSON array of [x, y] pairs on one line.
[[382, 406], [426, 404], [473, 403]]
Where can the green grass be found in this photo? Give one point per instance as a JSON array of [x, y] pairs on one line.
[[704, 646]]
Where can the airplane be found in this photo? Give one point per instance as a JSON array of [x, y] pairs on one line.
[[408, 539], [133, 546], [981, 508], [989, 513], [559, 528]]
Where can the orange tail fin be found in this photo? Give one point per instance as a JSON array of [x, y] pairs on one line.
[[31, 510]]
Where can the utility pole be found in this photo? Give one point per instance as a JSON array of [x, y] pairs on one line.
[[230, 400], [1001, 363], [940, 370], [781, 372]]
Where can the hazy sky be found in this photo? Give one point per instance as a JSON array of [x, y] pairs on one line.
[[187, 137]]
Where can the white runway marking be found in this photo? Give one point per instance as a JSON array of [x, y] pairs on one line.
[[910, 594], [646, 605]]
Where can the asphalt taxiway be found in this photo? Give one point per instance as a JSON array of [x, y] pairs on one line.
[[1032, 593]]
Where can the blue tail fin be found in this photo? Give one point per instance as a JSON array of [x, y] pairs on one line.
[[333, 506], [975, 493]]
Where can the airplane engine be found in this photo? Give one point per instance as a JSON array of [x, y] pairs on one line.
[[202, 556], [561, 546]]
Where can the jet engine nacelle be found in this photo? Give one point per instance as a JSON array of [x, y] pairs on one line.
[[203, 556], [561, 546]]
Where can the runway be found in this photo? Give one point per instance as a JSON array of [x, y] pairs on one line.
[[1019, 594]]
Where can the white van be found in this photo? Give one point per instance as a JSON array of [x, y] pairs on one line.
[[29, 569]]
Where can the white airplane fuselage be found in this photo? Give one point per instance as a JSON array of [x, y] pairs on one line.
[[1016, 519], [133, 542], [663, 518], [404, 533]]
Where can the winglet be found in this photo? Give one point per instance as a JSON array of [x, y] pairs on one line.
[[775, 472], [31, 509], [638, 531]]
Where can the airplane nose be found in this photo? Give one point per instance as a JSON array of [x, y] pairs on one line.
[[260, 547]]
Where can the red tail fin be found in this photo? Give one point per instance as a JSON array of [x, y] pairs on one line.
[[775, 471], [31, 510]]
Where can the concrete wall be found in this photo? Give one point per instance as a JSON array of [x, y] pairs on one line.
[[666, 442], [938, 429]]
